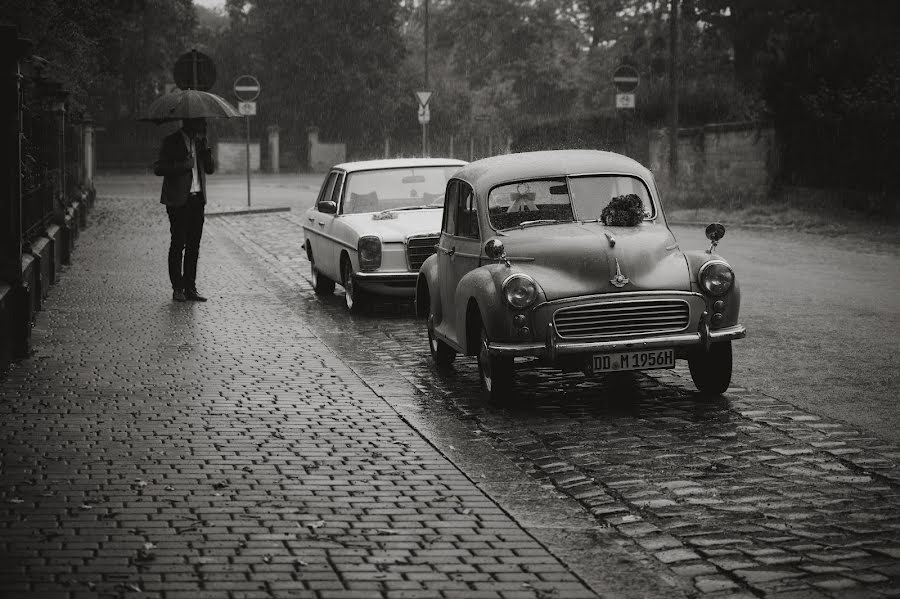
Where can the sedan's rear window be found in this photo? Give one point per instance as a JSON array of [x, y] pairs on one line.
[[396, 189], [561, 199]]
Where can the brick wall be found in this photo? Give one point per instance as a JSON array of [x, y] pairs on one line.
[[733, 155]]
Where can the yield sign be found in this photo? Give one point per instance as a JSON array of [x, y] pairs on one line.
[[423, 98]]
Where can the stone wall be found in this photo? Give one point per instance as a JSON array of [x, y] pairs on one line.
[[739, 156], [322, 156], [231, 156]]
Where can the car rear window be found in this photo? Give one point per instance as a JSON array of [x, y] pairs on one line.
[[561, 199]]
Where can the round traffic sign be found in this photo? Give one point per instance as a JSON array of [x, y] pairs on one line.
[[246, 88], [194, 70], [626, 78]]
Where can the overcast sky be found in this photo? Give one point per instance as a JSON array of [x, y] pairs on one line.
[[211, 3]]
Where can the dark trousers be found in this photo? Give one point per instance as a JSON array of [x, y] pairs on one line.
[[186, 229]]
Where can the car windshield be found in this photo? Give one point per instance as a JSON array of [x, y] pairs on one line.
[[396, 189], [549, 201]]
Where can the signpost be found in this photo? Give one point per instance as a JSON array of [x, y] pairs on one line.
[[424, 118], [246, 89], [194, 70], [626, 79]]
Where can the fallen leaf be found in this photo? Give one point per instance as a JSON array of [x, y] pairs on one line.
[[169, 488], [317, 524], [16, 500]]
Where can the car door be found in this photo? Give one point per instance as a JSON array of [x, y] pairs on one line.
[[333, 232], [462, 254], [315, 225]]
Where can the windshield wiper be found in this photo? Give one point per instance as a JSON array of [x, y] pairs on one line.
[[531, 223], [423, 207]]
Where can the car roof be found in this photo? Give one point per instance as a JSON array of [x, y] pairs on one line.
[[368, 165], [486, 173]]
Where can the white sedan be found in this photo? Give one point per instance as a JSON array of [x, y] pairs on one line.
[[374, 224]]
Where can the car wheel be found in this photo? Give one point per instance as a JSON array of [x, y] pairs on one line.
[[711, 369], [322, 285], [442, 354], [496, 373], [354, 297]]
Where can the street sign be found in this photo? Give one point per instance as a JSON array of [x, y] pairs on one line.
[[625, 101], [423, 98], [247, 108], [194, 70], [424, 114], [626, 78], [246, 88]]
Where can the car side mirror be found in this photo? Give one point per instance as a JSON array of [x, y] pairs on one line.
[[493, 249], [714, 232], [328, 207]]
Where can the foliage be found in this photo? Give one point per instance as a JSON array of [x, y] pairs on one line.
[[111, 55], [332, 64]]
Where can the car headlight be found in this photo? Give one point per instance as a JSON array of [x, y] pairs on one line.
[[716, 278], [519, 291], [369, 252]]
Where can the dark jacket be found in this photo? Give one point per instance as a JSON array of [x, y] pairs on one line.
[[175, 168]]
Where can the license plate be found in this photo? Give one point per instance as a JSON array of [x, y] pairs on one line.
[[634, 360]]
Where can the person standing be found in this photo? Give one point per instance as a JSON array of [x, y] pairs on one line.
[[184, 161]]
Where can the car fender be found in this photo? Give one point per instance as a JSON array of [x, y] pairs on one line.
[[427, 289], [731, 300], [483, 287]]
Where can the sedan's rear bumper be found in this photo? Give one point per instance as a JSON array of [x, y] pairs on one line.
[[554, 347]]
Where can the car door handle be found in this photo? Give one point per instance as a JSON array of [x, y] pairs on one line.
[[322, 222], [449, 252]]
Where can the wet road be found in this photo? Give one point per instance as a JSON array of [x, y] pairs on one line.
[[748, 493]]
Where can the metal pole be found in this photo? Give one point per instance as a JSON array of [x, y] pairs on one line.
[[425, 125], [673, 91], [424, 137], [247, 118]]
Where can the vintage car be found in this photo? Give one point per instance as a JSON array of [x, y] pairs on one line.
[[565, 257], [373, 224]]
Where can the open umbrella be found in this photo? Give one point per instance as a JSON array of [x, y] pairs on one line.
[[189, 104]]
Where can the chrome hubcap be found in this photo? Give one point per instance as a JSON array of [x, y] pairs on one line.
[[485, 363]]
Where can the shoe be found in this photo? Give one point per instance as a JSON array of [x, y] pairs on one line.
[[192, 296], [178, 295]]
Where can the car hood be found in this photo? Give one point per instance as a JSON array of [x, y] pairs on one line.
[[401, 225], [578, 259]]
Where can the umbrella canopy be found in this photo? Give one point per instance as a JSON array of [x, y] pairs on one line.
[[189, 104]]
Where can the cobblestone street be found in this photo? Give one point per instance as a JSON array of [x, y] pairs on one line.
[[268, 444]]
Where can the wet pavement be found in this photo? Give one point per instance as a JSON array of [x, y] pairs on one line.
[[740, 494], [268, 444]]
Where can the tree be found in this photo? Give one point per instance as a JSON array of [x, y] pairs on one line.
[[332, 64]]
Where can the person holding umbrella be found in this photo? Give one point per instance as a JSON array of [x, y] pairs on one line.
[[184, 161]]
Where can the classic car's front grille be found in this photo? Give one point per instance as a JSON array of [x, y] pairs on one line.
[[418, 249], [622, 318]]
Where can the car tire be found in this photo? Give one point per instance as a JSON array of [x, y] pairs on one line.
[[496, 373], [355, 298], [322, 285], [442, 354], [711, 369]]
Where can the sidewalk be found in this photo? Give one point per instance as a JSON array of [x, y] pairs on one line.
[[160, 449]]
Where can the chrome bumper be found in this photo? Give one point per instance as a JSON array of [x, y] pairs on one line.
[[554, 347], [386, 277]]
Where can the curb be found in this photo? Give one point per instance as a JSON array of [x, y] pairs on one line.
[[248, 211]]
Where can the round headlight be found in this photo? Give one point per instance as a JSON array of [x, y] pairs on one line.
[[520, 291], [716, 278]]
